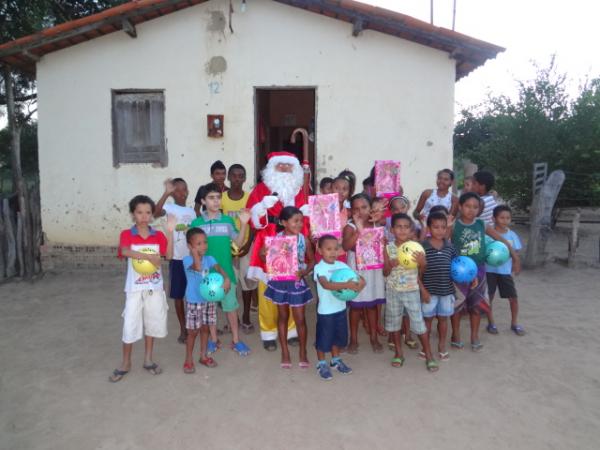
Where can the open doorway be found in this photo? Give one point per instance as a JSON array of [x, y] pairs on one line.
[[279, 112]]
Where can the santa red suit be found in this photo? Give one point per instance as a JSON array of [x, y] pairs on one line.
[[267, 199]]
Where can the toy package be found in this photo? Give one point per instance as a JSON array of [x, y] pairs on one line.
[[387, 178], [282, 257], [324, 215], [369, 249]]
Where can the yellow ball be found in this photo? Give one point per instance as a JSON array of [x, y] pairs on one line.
[[142, 266], [406, 252], [235, 250]]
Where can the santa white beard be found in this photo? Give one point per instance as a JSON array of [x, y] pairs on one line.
[[286, 184]]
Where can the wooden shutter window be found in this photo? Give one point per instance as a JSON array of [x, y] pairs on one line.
[[139, 127]]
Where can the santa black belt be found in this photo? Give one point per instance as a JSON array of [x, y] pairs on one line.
[[273, 219]]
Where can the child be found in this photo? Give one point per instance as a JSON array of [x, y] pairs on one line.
[[177, 188], [467, 184], [442, 195], [221, 232], [199, 313], [342, 185], [218, 173], [292, 294], [468, 233], [398, 204], [402, 293], [332, 323], [145, 313], [233, 201], [500, 276], [325, 186], [438, 289], [483, 182], [374, 293]]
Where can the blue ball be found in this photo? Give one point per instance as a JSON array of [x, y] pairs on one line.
[[463, 269], [211, 287], [342, 276]]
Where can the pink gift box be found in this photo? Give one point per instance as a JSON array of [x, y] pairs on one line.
[[282, 257], [325, 215], [387, 178], [369, 249]]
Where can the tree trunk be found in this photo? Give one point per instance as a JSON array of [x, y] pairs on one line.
[[19, 183]]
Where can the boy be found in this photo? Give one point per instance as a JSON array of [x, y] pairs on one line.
[[500, 276], [177, 188], [326, 185], [200, 314], [483, 182], [145, 313], [404, 292], [233, 201], [218, 174], [221, 232], [438, 288], [332, 323]]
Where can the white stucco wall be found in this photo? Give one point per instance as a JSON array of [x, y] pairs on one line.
[[378, 97]]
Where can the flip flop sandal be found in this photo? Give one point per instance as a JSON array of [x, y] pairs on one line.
[[304, 364], [459, 345], [398, 362], [248, 328], [285, 365], [422, 356], [411, 344], [153, 369], [189, 368], [391, 346], [208, 362], [476, 346], [492, 329], [444, 356], [432, 365], [518, 330], [241, 348], [117, 375]]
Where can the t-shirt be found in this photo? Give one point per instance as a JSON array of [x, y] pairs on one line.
[[220, 232], [328, 303], [401, 279], [469, 240], [436, 277], [232, 209], [489, 203], [194, 278], [157, 242], [184, 215], [506, 268]]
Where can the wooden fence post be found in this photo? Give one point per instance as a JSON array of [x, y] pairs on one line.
[[574, 239], [11, 247]]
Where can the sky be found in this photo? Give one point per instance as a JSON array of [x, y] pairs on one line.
[[530, 30]]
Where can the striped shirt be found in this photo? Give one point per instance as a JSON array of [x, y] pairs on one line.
[[489, 203], [436, 277]]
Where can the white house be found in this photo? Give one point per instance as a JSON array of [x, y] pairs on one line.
[[125, 97]]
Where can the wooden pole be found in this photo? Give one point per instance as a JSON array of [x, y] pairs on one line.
[[574, 239], [453, 15], [305, 162]]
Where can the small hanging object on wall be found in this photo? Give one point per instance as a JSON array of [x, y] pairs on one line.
[[215, 125]]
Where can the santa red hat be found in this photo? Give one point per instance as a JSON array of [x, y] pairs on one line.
[[282, 157]]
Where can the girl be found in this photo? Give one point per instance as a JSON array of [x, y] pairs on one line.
[[342, 186], [468, 237], [292, 294], [374, 292], [440, 196]]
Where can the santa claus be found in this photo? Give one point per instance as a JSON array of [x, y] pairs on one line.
[[281, 186]]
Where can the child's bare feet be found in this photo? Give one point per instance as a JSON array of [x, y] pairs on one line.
[[353, 348], [376, 346]]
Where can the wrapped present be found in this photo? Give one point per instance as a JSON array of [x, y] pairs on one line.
[[369, 249], [325, 215], [282, 257], [387, 178]]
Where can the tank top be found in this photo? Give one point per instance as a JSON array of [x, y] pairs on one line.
[[434, 200], [469, 240]]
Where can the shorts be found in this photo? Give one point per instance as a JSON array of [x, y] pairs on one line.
[[332, 330], [178, 280], [439, 305], [396, 304], [240, 267], [505, 284], [198, 314], [230, 302], [145, 314]]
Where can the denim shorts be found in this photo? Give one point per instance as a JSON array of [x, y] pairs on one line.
[[332, 329], [178, 280], [439, 305]]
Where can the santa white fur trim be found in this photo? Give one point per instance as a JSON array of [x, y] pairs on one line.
[[283, 159]]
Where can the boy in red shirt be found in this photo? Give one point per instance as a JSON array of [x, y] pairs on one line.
[[145, 313]]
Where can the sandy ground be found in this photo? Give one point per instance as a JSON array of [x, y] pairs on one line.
[[60, 339]]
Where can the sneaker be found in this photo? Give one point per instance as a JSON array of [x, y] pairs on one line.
[[323, 371], [341, 367]]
